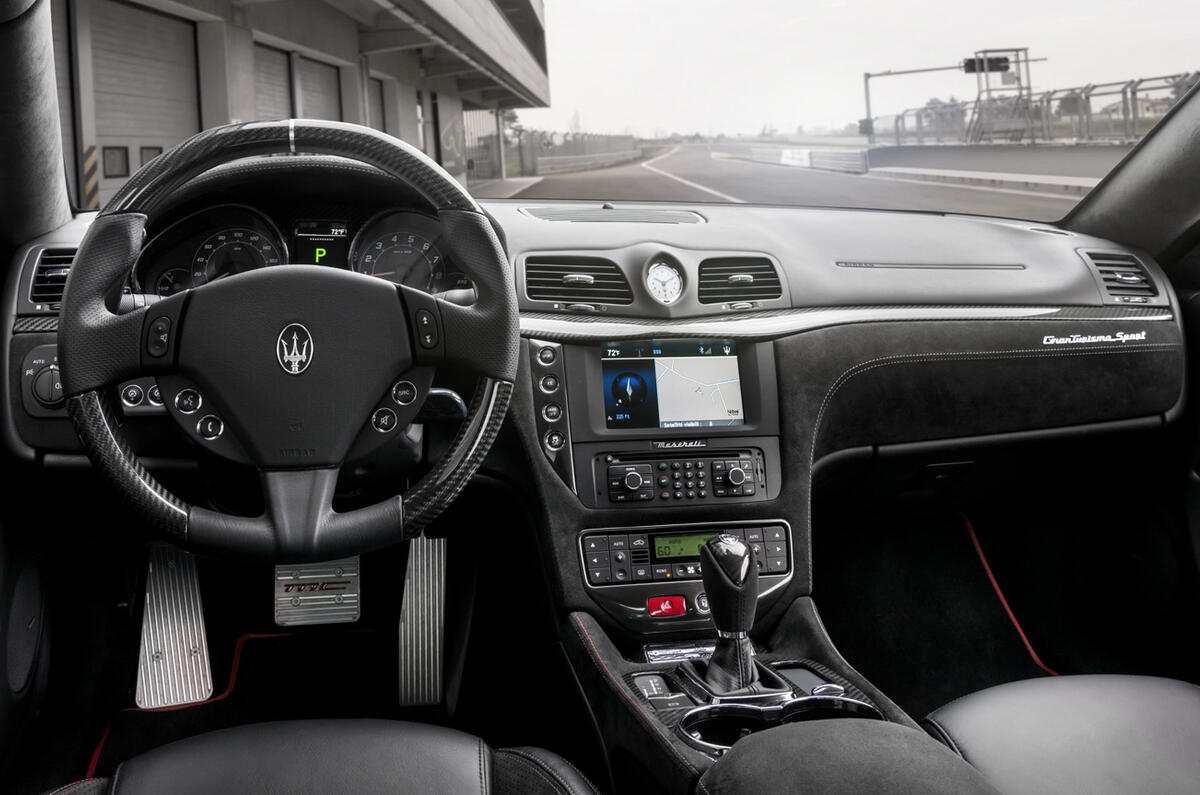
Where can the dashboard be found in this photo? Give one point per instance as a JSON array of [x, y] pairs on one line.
[[398, 245], [685, 368]]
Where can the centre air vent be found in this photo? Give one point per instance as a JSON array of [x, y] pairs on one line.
[[1124, 278], [576, 280], [732, 279], [50, 277]]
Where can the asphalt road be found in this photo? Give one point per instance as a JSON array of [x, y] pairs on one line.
[[691, 173]]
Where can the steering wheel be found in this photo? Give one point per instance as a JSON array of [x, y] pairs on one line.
[[287, 366]]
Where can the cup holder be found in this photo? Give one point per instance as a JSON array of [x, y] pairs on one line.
[[716, 727]]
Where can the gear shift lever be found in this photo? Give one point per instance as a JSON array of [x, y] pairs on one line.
[[731, 581]]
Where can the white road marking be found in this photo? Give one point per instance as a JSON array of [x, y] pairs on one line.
[[688, 182]]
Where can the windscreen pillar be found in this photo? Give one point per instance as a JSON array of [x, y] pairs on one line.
[[33, 181]]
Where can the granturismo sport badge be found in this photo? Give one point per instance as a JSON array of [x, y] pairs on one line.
[[294, 349]]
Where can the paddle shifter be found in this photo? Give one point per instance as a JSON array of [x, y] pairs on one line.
[[731, 582]]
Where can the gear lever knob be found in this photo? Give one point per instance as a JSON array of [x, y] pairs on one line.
[[731, 581]]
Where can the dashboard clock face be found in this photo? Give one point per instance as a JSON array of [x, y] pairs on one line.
[[664, 282]]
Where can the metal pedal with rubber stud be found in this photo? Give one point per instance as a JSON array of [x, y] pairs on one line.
[[173, 664], [317, 593], [423, 623]]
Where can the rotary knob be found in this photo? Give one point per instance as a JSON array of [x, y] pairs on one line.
[[633, 481], [736, 476]]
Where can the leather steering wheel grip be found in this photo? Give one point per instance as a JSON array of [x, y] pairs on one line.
[[98, 347]]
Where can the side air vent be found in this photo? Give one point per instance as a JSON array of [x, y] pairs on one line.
[[50, 277], [610, 214], [731, 279], [576, 280], [1124, 278]]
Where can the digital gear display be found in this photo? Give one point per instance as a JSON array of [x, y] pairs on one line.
[[320, 243]]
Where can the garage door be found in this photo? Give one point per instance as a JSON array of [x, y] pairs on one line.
[[320, 90], [147, 99], [272, 83], [62, 75], [375, 104]]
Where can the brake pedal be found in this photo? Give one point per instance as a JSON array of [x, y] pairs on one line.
[[423, 622], [173, 664], [317, 593]]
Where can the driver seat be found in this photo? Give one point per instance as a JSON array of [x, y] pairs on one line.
[[335, 756]]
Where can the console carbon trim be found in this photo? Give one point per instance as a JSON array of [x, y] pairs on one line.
[[769, 325]]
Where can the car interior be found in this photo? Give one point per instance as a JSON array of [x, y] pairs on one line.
[[323, 475]]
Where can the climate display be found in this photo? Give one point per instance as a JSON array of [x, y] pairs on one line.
[[671, 384], [679, 546]]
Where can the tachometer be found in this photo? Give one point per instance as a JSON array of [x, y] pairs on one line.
[[402, 248]]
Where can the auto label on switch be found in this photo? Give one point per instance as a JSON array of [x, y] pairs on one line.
[[665, 606]]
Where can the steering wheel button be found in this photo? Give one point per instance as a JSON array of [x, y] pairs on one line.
[[158, 337], [552, 412], [427, 332], [210, 426], [404, 393], [549, 384], [154, 395], [384, 420], [546, 356], [188, 401], [555, 440], [132, 395]]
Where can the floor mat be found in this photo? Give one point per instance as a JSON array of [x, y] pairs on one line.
[[909, 604]]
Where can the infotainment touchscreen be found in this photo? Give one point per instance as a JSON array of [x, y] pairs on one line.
[[671, 384]]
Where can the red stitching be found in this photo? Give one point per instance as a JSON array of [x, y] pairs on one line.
[[996, 586], [621, 690]]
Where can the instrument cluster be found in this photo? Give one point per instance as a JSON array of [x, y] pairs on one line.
[[397, 245]]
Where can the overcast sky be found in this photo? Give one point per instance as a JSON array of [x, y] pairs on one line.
[[733, 66]]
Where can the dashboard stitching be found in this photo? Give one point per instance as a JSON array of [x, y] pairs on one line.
[[912, 358]]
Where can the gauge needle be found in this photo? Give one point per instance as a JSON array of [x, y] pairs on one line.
[[629, 387]]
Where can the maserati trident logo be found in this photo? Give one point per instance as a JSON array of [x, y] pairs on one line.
[[294, 349]]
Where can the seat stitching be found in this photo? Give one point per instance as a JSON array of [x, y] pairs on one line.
[[566, 785], [615, 685], [482, 783]]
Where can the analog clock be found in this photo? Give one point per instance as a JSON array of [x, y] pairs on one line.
[[665, 282]]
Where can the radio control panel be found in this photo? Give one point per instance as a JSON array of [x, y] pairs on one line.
[[736, 474]]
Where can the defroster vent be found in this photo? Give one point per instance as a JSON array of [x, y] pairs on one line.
[[732, 279], [576, 280]]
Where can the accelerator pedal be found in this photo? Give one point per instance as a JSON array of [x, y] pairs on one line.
[[317, 593], [423, 623], [173, 664]]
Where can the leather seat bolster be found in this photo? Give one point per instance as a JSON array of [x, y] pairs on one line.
[[314, 756], [1097, 734], [535, 771]]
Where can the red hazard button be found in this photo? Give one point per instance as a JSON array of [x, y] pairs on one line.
[[663, 606]]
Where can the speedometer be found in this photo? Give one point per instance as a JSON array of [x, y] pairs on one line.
[[231, 251], [402, 247]]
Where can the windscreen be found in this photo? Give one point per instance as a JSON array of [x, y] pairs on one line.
[[1014, 109]]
